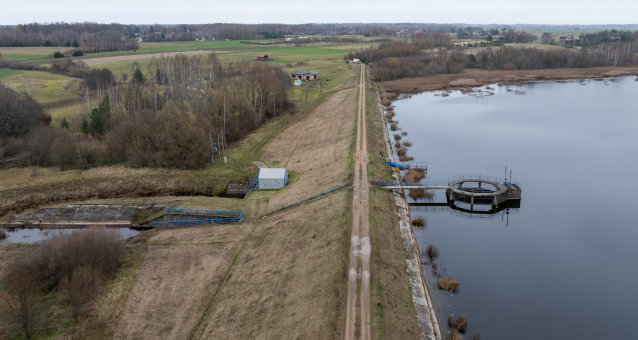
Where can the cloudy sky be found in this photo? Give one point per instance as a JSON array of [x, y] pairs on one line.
[[322, 11]]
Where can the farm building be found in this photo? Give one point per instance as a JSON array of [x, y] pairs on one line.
[[304, 75], [262, 57], [272, 178]]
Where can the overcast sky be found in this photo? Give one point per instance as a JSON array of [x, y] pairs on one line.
[[322, 11]]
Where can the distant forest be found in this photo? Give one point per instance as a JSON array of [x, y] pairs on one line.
[[94, 37], [428, 54]]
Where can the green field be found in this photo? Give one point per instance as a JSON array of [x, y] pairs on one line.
[[61, 98], [47, 88], [5, 72]]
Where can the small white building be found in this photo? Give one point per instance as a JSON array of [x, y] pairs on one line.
[[355, 60], [272, 178]]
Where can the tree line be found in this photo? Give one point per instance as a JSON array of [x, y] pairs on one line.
[[406, 59], [88, 37], [397, 49], [172, 115]]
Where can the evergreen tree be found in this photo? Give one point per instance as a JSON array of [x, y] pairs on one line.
[[64, 123], [75, 43], [85, 126], [138, 76], [100, 117]]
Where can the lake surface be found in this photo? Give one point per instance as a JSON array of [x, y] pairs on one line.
[[565, 265]]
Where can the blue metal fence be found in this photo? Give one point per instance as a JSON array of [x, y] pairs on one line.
[[203, 216]]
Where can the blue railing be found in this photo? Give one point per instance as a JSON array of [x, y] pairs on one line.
[[189, 223], [205, 212], [204, 216]]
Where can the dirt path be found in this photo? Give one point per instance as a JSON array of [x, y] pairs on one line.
[[360, 247]]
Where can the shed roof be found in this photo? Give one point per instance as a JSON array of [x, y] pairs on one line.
[[301, 72], [272, 173]]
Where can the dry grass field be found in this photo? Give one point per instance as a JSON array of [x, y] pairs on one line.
[[286, 270], [282, 276]]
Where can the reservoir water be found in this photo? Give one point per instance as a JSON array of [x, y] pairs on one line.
[[564, 265]]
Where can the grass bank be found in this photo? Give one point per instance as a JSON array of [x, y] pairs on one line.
[[393, 314]]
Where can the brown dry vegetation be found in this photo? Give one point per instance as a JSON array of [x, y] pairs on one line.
[[472, 78], [405, 158], [432, 252], [418, 222], [414, 174], [447, 283], [401, 151], [317, 147]]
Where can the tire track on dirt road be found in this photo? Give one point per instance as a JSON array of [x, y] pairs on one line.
[[360, 248]]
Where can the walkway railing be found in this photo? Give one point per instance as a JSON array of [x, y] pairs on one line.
[[395, 183], [500, 180], [189, 223]]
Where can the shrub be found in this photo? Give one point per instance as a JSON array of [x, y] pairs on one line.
[[50, 261], [79, 288], [397, 145], [404, 133], [19, 113], [101, 78], [461, 324], [450, 321], [389, 115], [3, 235], [397, 137], [447, 283], [401, 151], [58, 54], [393, 127], [432, 252], [418, 222], [77, 53], [415, 174], [417, 193], [407, 143], [405, 158]]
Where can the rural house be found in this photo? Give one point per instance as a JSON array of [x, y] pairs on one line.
[[304, 75], [262, 57]]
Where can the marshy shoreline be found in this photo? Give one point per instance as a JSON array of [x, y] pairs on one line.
[[390, 90]]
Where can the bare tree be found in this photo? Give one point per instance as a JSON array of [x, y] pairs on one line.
[[24, 302]]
